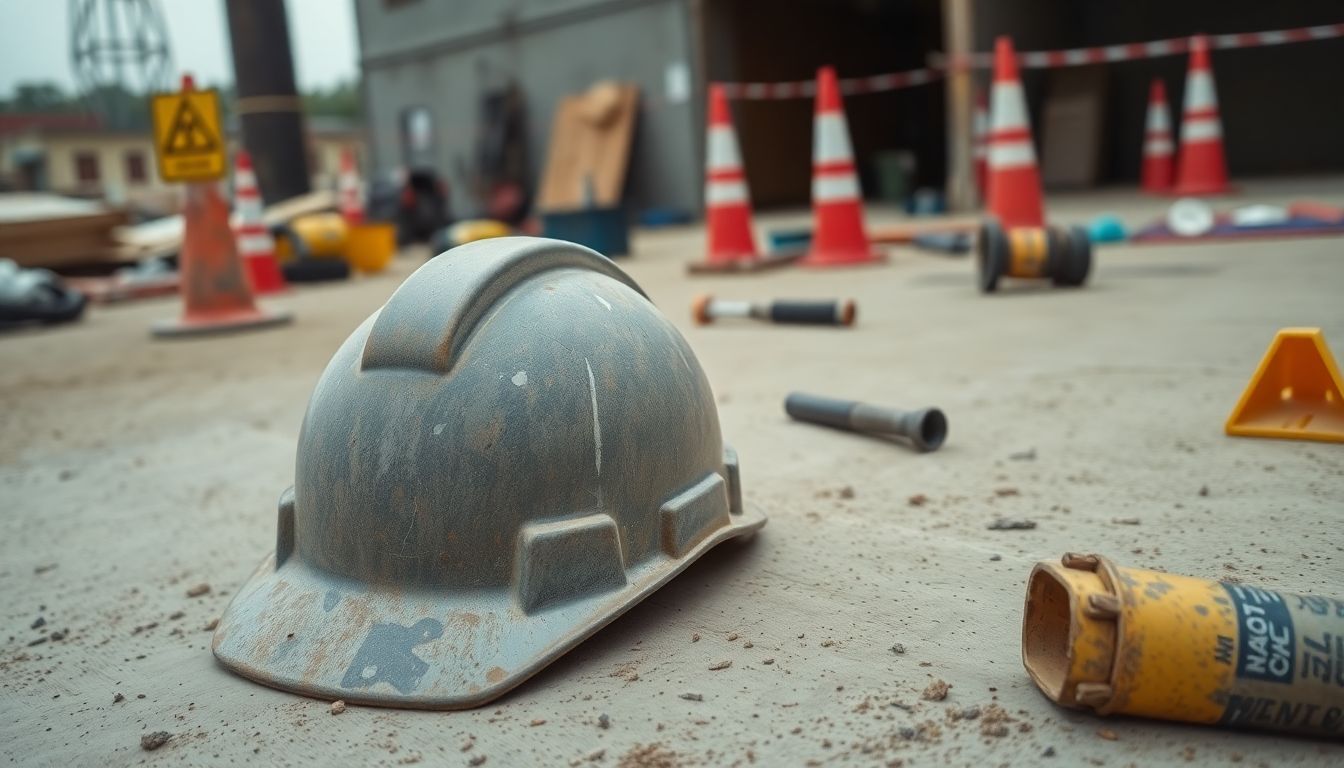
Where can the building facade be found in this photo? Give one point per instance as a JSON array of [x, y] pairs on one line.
[[78, 157], [428, 66]]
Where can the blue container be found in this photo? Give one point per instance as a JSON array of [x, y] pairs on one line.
[[1106, 229], [789, 241], [605, 230]]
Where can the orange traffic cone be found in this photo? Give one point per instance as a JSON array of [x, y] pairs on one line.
[[351, 200], [255, 244], [838, 236], [731, 244], [1158, 151], [1202, 169], [1014, 180], [215, 293], [981, 149]]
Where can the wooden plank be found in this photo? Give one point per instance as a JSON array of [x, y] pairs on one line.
[[590, 138]]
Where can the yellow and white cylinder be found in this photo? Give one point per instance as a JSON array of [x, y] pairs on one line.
[[1136, 642]]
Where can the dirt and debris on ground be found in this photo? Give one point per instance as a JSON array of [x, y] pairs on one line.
[[1009, 524], [152, 741], [654, 755], [718, 665], [935, 691], [181, 451], [337, 707]]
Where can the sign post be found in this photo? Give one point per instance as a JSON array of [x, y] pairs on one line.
[[190, 146]]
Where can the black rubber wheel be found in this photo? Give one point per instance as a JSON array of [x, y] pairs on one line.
[[991, 254], [1078, 259]]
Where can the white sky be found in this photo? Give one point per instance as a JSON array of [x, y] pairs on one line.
[[35, 41]]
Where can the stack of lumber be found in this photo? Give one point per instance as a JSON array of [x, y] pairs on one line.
[[44, 230]]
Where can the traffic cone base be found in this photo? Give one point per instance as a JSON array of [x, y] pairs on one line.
[[216, 296], [221, 322], [842, 258], [1296, 392], [838, 235]]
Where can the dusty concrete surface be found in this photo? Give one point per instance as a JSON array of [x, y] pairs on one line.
[[133, 470]]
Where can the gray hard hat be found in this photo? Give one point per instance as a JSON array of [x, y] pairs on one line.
[[513, 451]]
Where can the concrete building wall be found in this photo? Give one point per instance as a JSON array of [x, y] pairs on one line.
[[443, 56]]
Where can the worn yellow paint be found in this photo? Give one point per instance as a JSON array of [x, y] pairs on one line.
[[1027, 251], [1168, 629]]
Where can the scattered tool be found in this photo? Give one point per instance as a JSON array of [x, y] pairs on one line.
[[1190, 217], [1014, 180], [706, 309], [943, 242], [839, 238], [437, 549], [1202, 167], [1062, 255], [1128, 641], [925, 428], [1296, 392], [1193, 221]]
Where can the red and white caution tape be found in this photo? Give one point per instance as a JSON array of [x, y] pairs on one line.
[[1033, 60]]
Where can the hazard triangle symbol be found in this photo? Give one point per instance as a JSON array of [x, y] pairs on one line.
[[189, 134], [1295, 393]]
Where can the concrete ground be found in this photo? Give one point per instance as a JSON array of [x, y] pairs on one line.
[[132, 470]]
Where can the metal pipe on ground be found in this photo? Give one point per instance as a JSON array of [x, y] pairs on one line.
[[926, 428], [1128, 641], [706, 309]]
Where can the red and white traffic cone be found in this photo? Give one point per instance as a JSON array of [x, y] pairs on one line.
[[1202, 168], [256, 247], [838, 236], [730, 242], [981, 147], [1014, 180], [1159, 153], [348, 189]]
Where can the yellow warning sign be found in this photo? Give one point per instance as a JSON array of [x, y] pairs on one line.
[[188, 138]]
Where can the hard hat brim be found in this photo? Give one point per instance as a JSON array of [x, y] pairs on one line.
[[304, 630]]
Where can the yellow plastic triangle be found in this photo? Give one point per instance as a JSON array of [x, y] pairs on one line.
[[1295, 392]]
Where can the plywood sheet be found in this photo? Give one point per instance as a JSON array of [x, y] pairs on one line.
[[590, 138]]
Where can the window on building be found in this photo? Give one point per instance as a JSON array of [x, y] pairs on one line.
[[135, 167], [86, 168]]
